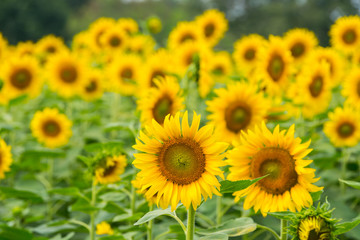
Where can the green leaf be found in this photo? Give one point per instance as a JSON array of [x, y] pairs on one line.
[[59, 237], [113, 196], [98, 147], [153, 214], [353, 184], [43, 153], [69, 191], [283, 215], [346, 226], [230, 186], [83, 206], [119, 126], [232, 228], [127, 217], [17, 100], [11, 233], [316, 195], [216, 236], [21, 194]]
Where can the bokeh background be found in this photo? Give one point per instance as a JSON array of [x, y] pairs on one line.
[[31, 19]]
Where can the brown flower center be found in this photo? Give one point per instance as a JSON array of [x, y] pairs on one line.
[[346, 129], [162, 108], [276, 67], [297, 50], [126, 73], [209, 30], [349, 36], [91, 87], [316, 86], [109, 170], [51, 128], [218, 70], [50, 49], [280, 166], [250, 54], [115, 41], [21, 78], [187, 37], [181, 160], [68, 74], [237, 116]]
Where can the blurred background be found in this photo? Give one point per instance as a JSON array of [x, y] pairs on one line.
[[31, 19]]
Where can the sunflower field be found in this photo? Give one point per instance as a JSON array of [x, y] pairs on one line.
[[115, 136]]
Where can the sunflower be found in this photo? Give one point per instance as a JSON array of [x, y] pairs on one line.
[[21, 76], [3, 46], [123, 73], [110, 168], [142, 45], [246, 52], [280, 155], [179, 163], [159, 101], [104, 228], [343, 127], [275, 66], [25, 49], [97, 29], [51, 128], [80, 41], [49, 45], [355, 59], [154, 24], [213, 25], [184, 32], [138, 183], [114, 39], [351, 87], [345, 34], [237, 108], [5, 158], [220, 66], [300, 42], [128, 25], [66, 74], [94, 86], [313, 89]]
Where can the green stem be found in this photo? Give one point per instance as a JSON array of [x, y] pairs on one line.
[[218, 210], [150, 225], [50, 186], [190, 224], [74, 221], [277, 237], [161, 235], [283, 230], [92, 214], [344, 161], [178, 220], [205, 218]]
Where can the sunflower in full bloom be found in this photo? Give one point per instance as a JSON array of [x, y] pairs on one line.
[[5, 157], [21, 76], [143, 45], [159, 101], [246, 52], [154, 24], [355, 59], [184, 32], [128, 25], [51, 128], [114, 39], [345, 34], [343, 127], [104, 228], [124, 73], [213, 25], [351, 88], [109, 169], [97, 29], [25, 49], [50, 45], [66, 74], [275, 66], [220, 66], [300, 42], [280, 155], [237, 108], [94, 85], [179, 162]]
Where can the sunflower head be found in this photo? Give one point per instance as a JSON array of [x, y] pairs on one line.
[[184, 32], [5, 158], [351, 87], [94, 86], [142, 45], [108, 168], [104, 228], [50, 45], [96, 31], [345, 34], [114, 39], [128, 25], [154, 24]]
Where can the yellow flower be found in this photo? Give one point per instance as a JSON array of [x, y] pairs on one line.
[[280, 155], [275, 66], [128, 25], [246, 52], [154, 24], [184, 32], [237, 108], [138, 184], [21, 76], [104, 228], [25, 49], [179, 162], [124, 73], [96, 30], [220, 66], [5, 158], [213, 25], [49, 45], [51, 128], [66, 74], [351, 88], [3, 46], [142, 45], [314, 227], [343, 127], [94, 86], [300, 42], [109, 169], [159, 101], [80, 41], [114, 39], [345, 34]]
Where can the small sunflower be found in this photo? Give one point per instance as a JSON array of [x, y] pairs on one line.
[[275, 66], [237, 108], [124, 73], [25, 49], [345, 34], [220, 66], [246, 52], [94, 86], [300, 42], [179, 162], [213, 25], [104, 228], [50, 45], [184, 32], [154, 24], [114, 39], [128, 25], [110, 168], [21, 76], [66, 74], [143, 45], [51, 128], [343, 127], [159, 101], [351, 88], [280, 155], [97, 29], [5, 158], [80, 41]]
